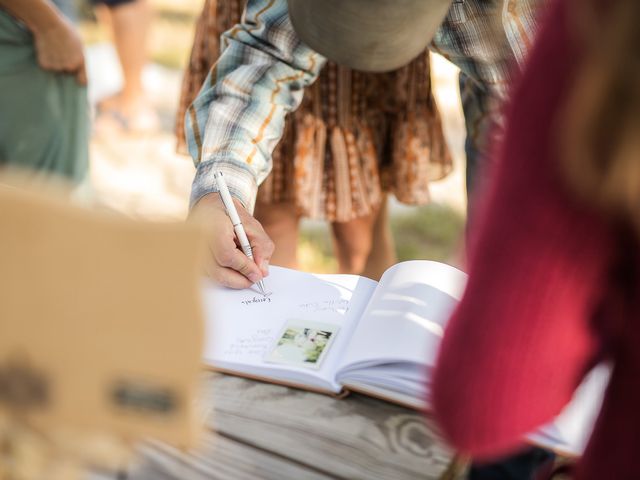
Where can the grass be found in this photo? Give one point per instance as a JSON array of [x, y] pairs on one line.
[[315, 250], [433, 232]]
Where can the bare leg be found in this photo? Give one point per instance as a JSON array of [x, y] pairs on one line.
[[130, 25], [130, 28], [280, 221], [352, 243], [383, 251], [364, 246]]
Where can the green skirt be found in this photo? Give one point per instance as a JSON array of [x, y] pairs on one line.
[[44, 116]]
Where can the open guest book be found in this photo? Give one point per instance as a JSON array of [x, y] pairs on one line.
[[344, 333], [333, 333]]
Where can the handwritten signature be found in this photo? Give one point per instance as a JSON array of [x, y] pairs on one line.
[[254, 300], [338, 306]]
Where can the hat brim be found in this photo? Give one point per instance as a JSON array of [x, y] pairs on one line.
[[368, 35]]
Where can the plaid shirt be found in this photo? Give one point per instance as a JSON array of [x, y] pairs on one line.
[[238, 116]]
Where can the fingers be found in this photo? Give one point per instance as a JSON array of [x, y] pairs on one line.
[[59, 49], [81, 75], [228, 265], [262, 256], [261, 245], [228, 256], [66, 64], [228, 277]]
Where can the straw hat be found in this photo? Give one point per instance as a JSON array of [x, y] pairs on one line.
[[369, 35]]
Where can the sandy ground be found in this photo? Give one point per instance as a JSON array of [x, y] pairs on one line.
[[143, 176]]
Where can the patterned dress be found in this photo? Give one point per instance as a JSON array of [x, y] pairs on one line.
[[355, 135]]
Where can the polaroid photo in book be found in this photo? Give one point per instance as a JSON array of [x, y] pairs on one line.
[[303, 343]]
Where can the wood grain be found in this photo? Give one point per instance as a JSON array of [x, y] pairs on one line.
[[261, 431]]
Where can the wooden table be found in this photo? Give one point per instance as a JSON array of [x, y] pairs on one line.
[[261, 431]]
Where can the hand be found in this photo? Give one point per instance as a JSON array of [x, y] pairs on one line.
[[59, 49], [227, 265]]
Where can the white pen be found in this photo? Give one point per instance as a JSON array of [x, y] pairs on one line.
[[230, 207]]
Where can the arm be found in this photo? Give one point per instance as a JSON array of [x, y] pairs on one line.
[[236, 121], [238, 116], [58, 46], [488, 43]]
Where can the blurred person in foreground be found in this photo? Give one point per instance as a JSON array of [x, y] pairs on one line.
[[554, 266], [356, 137], [279, 49], [44, 124]]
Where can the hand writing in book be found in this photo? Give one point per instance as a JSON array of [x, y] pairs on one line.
[[226, 264]]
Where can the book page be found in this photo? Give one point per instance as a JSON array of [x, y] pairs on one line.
[[403, 323], [244, 327], [569, 433]]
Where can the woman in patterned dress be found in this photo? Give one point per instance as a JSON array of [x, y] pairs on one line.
[[356, 137]]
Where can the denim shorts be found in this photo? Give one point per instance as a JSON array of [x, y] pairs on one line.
[[112, 3]]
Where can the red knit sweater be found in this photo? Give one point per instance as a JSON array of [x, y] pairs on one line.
[[525, 332]]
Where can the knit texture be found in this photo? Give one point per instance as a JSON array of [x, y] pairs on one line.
[[525, 333]]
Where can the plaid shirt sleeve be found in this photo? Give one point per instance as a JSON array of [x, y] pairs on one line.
[[486, 39], [238, 116]]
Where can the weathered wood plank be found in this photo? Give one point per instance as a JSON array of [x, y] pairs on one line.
[[220, 458], [258, 430], [357, 437]]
